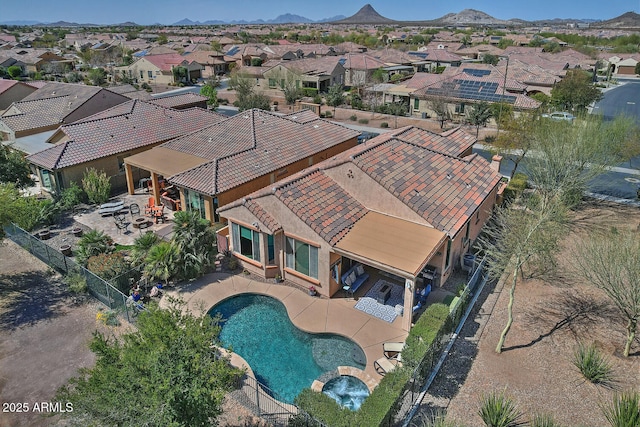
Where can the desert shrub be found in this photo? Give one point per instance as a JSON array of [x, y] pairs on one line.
[[328, 114], [108, 266], [384, 125], [363, 121], [77, 282], [353, 118], [311, 92], [593, 365], [516, 186], [624, 411], [499, 410], [97, 185], [543, 420], [317, 99], [489, 139], [71, 196], [108, 317], [93, 243]]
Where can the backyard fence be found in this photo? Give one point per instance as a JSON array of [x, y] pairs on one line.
[[102, 290]]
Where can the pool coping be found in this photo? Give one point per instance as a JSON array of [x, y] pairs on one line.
[[370, 382]]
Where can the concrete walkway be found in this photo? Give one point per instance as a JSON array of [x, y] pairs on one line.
[[311, 314]]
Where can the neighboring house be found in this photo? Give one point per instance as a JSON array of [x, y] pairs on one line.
[[36, 60], [103, 141], [398, 203], [533, 76], [13, 91], [52, 105], [626, 67], [359, 68], [158, 69], [467, 85], [430, 60], [213, 62], [314, 73], [227, 160]]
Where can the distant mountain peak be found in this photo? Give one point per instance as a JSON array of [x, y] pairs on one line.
[[366, 15]]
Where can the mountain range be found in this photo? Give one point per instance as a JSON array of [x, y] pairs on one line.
[[368, 15]]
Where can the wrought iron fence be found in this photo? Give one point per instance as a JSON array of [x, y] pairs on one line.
[[102, 290]]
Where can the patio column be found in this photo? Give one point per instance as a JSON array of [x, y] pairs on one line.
[[156, 187], [409, 292], [131, 186]]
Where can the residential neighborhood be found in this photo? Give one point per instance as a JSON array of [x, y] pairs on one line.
[[356, 222]]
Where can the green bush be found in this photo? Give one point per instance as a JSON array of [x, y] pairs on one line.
[[310, 92], [93, 243], [108, 266], [544, 420], [384, 125], [498, 410], [489, 139], [592, 364], [516, 186], [70, 197], [328, 114], [353, 118], [97, 185], [363, 121], [77, 282], [423, 333], [624, 410]]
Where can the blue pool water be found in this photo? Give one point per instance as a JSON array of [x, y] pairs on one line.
[[348, 391], [282, 357]]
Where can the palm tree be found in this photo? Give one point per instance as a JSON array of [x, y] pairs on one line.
[[195, 240], [161, 262], [93, 243], [142, 245]]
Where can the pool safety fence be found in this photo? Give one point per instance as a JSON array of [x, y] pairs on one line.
[[99, 288], [264, 403]]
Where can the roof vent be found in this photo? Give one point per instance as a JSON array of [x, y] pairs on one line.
[[448, 176], [316, 126], [246, 117], [210, 139]]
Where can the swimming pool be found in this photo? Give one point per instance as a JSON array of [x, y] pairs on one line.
[[282, 357]]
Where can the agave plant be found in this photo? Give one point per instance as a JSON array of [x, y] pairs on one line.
[[498, 410]]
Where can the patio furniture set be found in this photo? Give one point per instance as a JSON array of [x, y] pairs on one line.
[[353, 278], [392, 357]]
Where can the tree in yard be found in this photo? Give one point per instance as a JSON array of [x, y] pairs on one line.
[[142, 245], [479, 115], [97, 76], [611, 262], [162, 39], [575, 92], [97, 185], [289, 85], [516, 139], [14, 168], [501, 111], [93, 243], [161, 262], [180, 74], [397, 109], [440, 106], [637, 69], [14, 72], [488, 58], [335, 97], [522, 236], [246, 96], [195, 240], [212, 95], [163, 374]]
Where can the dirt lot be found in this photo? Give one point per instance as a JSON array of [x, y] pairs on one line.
[[44, 336], [535, 369]]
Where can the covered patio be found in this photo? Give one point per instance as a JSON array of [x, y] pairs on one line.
[[390, 246]]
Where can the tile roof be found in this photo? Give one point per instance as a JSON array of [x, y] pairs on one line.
[[324, 65], [445, 190], [38, 113], [123, 128], [362, 61], [251, 144], [322, 204], [177, 101], [262, 215], [166, 61]]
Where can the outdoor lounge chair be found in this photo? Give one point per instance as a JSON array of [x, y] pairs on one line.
[[384, 365], [392, 350]]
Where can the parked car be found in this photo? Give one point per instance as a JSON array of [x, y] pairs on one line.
[[560, 115]]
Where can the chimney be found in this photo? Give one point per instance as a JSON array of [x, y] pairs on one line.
[[495, 162]]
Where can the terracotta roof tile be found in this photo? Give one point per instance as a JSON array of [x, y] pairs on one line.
[[123, 128]]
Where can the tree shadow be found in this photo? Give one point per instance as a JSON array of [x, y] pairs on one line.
[[29, 298], [571, 311]]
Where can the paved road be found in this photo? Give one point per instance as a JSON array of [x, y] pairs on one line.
[[624, 99]]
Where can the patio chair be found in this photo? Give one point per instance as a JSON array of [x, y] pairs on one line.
[[134, 209], [392, 350], [384, 365], [149, 207], [121, 225]]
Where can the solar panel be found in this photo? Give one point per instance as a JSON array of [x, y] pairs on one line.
[[476, 73]]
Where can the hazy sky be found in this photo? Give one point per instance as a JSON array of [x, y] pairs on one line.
[[170, 11]]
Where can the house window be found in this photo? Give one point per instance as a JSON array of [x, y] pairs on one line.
[[246, 241], [141, 74], [460, 108], [121, 163], [195, 202], [416, 104], [466, 234], [272, 83], [447, 259], [271, 250], [302, 257], [46, 179], [150, 74]]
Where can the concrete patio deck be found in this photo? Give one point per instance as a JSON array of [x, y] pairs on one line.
[[91, 218], [311, 314]]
